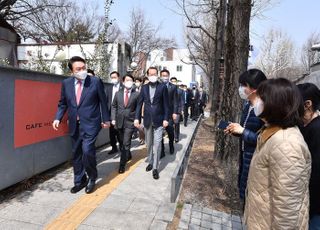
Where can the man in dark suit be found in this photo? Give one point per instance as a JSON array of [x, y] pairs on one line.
[[84, 98], [173, 109], [122, 116], [180, 100], [111, 90], [187, 102], [203, 99], [194, 103], [154, 96]]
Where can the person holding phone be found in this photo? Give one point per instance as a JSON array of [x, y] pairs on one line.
[[250, 124]]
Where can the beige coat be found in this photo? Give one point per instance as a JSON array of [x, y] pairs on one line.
[[277, 195]]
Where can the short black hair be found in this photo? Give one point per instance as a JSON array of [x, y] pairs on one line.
[[252, 78], [115, 72], [75, 59], [91, 71], [138, 79], [173, 78], [145, 79], [127, 75], [283, 104], [165, 71], [310, 91], [152, 67]]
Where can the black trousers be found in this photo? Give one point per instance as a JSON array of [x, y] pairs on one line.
[[170, 131], [125, 140], [185, 114], [83, 156], [114, 137], [177, 127]]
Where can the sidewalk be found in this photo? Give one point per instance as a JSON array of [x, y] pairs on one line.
[[133, 200]]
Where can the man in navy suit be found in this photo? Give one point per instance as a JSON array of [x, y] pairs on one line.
[[154, 96], [173, 109], [84, 98]]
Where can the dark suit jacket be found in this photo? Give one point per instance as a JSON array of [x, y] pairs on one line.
[[157, 111], [92, 109], [203, 98], [124, 115], [180, 100], [187, 99], [173, 99], [108, 89]]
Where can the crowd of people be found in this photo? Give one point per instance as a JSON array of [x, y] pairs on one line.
[[279, 166], [143, 107], [279, 163]]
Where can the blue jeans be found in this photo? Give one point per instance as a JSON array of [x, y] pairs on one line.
[[314, 223]]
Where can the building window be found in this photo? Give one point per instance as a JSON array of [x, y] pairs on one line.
[[179, 68]]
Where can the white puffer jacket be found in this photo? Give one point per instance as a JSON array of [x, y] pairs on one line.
[[277, 194]]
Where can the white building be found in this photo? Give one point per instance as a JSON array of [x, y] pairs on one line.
[[54, 57], [177, 61]]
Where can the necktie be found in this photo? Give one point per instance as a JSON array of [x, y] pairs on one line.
[[79, 91], [126, 98]]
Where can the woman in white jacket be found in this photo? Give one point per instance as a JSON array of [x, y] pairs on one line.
[[278, 183]]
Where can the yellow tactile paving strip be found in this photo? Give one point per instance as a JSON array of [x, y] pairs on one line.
[[74, 215]]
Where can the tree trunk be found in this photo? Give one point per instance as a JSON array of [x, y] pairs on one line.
[[236, 61], [218, 54]]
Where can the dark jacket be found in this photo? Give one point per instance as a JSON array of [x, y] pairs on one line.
[[108, 90], [248, 143], [124, 115], [157, 111], [180, 100], [311, 134], [173, 99], [92, 109]]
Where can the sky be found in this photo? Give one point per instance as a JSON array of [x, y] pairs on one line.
[[298, 18]]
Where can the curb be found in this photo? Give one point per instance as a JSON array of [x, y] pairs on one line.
[[176, 179]]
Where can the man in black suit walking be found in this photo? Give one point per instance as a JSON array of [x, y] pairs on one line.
[[187, 102], [85, 100], [112, 88], [173, 109], [122, 116], [176, 122]]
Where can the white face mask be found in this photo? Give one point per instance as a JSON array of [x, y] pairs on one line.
[[128, 84], [114, 81], [153, 79], [81, 75], [138, 84], [258, 107], [242, 93]]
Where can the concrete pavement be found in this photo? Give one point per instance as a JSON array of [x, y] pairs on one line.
[[133, 200]]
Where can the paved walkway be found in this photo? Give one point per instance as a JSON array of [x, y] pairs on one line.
[[133, 200], [195, 217]]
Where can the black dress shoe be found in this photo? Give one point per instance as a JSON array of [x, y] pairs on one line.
[[113, 151], [77, 188], [176, 140], [90, 186], [122, 169], [149, 167], [155, 174]]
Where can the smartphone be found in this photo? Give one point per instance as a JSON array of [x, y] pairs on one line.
[[223, 124]]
